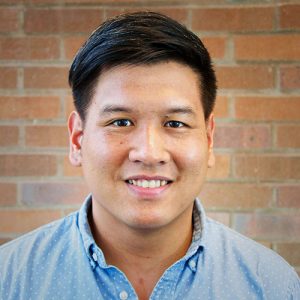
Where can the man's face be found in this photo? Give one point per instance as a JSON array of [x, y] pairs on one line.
[[145, 145]]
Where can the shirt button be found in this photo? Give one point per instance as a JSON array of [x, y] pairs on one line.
[[123, 295], [192, 264], [95, 258]]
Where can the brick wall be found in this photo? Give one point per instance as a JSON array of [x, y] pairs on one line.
[[254, 187]]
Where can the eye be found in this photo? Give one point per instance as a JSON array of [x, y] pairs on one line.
[[122, 123], [174, 124]]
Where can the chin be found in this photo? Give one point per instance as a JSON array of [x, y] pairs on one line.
[[147, 222]]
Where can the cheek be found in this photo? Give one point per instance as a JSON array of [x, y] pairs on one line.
[[105, 150], [193, 161], [194, 152]]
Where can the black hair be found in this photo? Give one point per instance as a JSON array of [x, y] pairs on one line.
[[140, 38]]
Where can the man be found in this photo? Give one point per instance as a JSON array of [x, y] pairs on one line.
[[144, 90]]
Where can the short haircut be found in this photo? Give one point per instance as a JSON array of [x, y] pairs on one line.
[[141, 38]]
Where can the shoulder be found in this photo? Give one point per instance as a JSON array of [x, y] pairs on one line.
[[50, 260], [252, 260], [18, 252]]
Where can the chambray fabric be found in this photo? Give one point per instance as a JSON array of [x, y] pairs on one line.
[[62, 261]]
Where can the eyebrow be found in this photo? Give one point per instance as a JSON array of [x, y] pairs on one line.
[[187, 110], [110, 109]]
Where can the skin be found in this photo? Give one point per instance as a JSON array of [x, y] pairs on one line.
[[143, 122]]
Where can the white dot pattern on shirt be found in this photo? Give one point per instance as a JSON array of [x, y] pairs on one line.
[[52, 261]]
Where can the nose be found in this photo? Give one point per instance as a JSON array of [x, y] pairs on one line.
[[148, 147]]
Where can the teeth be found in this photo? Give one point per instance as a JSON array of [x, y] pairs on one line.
[[143, 183], [148, 183], [152, 184]]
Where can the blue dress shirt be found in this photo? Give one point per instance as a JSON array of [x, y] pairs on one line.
[[62, 261]]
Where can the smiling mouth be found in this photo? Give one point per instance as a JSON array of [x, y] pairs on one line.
[[150, 184]]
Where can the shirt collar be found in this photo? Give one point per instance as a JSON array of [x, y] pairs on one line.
[[199, 232], [199, 239], [84, 226]]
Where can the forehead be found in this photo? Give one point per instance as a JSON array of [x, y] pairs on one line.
[[156, 85]]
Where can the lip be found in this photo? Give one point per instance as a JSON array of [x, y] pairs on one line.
[[148, 193], [147, 177]]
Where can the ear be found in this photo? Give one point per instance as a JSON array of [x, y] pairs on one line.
[[210, 129], [75, 126]]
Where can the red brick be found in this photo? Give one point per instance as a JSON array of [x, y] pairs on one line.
[[70, 170], [47, 136], [12, 1], [290, 251], [268, 226], [289, 16], [267, 47], [236, 196], [114, 2], [9, 19], [245, 77], [27, 165], [288, 136], [290, 77], [9, 135], [268, 108], [223, 218], [65, 20], [72, 45], [288, 196], [215, 46], [233, 19], [46, 77], [124, 2], [40, 48], [21, 221], [221, 109], [221, 169], [44, 1], [31, 107], [8, 193], [266, 167], [8, 77], [53, 193], [242, 136], [31, 2]]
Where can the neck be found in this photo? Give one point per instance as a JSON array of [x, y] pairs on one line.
[[143, 255]]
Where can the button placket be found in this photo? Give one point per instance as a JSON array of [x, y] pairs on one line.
[[192, 264], [95, 257], [123, 295], [167, 283]]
